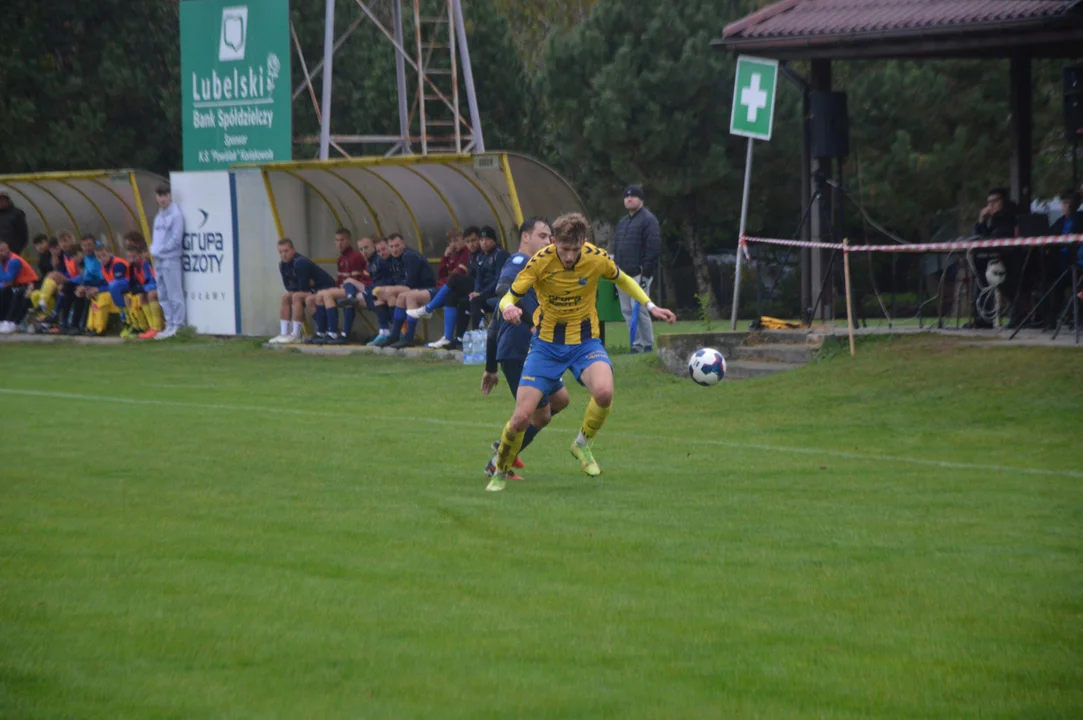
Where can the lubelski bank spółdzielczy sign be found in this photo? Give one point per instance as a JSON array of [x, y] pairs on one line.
[[235, 82]]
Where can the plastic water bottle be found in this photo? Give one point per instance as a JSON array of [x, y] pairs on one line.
[[479, 347], [474, 347], [468, 347]]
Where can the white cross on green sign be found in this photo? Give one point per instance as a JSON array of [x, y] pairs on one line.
[[754, 97]]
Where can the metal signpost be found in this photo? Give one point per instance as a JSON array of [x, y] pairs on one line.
[[752, 117]]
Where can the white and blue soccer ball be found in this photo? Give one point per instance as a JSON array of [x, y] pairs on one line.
[[707, 367]]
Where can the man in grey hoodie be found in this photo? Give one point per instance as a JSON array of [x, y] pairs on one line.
[[166, 247]]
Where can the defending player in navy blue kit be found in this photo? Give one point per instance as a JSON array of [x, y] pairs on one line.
[[509, 344]]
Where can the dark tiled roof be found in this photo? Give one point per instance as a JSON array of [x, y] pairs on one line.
[[833, 18]]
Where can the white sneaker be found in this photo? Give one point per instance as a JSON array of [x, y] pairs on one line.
[[419, 313], [4, 329], [166, 334], [440, 344], [278, 339], [291, 339]]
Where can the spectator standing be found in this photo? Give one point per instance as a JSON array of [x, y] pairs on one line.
[[167, 246], [636, 246], [13, 224]]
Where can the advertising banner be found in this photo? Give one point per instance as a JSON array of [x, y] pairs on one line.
[[207, 201], [235, 82]]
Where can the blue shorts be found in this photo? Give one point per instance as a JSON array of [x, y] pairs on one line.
[[513, 373], [546, 363]]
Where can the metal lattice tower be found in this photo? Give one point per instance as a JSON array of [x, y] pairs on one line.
[[430, 117]]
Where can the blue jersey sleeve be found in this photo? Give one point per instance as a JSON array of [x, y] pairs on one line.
[[8, 274]]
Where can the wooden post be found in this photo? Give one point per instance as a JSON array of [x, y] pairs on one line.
[[849, 296]]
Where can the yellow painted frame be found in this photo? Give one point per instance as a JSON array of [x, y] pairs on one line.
[[516, 209], [147, 235], [274, 204]]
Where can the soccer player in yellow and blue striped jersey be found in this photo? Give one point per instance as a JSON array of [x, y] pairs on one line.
[[565, 277]]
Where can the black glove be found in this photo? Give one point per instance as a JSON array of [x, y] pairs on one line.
[[634, 271], [647, 273]]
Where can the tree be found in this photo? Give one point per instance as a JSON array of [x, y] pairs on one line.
[[636, 94], [364, 94], [532, 23], [91, 85]]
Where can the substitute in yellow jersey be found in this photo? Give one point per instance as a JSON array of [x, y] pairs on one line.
[[565, 278]]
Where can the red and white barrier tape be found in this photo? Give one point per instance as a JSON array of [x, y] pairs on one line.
[[922, 247]]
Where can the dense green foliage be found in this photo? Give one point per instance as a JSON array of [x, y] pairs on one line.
[[90, 85]]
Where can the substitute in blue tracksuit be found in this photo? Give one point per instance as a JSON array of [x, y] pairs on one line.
[[509, 344]]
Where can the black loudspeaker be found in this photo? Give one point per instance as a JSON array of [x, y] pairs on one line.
[[830, 125], [1073, 102]]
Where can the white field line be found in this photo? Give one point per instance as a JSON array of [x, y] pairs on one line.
[[819, 452]]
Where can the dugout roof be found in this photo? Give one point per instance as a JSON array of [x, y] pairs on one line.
[[103, 203], [423, 197], [871, 29]]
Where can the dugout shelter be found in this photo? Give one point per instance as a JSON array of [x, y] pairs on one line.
[[419, 196], [102, 203]]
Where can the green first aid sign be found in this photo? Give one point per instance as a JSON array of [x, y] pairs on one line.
[[754, 97], [235, 82]]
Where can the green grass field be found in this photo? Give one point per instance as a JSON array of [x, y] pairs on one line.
[[207, 529]]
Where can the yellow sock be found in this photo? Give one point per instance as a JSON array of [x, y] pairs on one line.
[[510, 444], [593, 419], [137, 315], [156, 318], [48, 289]]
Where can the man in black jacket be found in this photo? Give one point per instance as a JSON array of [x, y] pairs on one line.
[[486, 272], [636, 245], [997, 218], [13, 225]]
